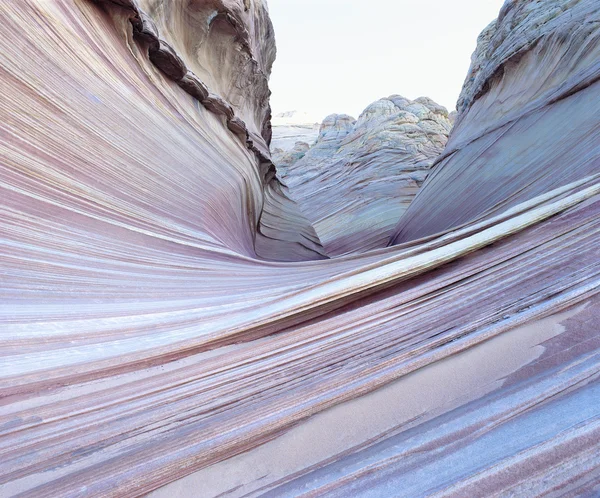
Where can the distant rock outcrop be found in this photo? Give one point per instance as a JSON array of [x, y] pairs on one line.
[[293, 133], [357, 180], [285, 158]]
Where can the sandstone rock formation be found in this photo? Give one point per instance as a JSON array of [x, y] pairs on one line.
[[528, 117], [283, 159], [355, 183], [293, 134], [169, 322]]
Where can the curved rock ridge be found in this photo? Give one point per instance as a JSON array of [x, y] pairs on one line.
[[207, 49], [285, 233], [230, 44], [147, 348], [359, 177], [524, 127]]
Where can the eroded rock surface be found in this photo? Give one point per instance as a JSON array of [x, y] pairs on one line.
[[528, 117], [156, 322], [359, 177], [283, 159]]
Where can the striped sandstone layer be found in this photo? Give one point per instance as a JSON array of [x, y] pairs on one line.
[[154, 329]]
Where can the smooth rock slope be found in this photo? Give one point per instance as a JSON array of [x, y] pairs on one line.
[[528, 117], [171, 322]]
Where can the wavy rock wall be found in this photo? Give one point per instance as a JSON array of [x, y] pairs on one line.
[[221, 53], [229, 46], [528, 117], [146, 348]]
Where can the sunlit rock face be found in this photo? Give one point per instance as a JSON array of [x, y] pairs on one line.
[[229, 45], [171, 323], [357, 180], [220, 53]]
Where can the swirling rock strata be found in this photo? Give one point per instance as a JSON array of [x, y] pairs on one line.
[[231, 46], [359, 177], [528, 117], [144, 341]]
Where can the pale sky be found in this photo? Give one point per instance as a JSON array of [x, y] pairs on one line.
[[341, 55]]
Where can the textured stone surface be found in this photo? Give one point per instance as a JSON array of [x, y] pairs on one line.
[[156, 324], [357, 180], [528, 117], [228, 44], [283, 159], [221, 54]]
